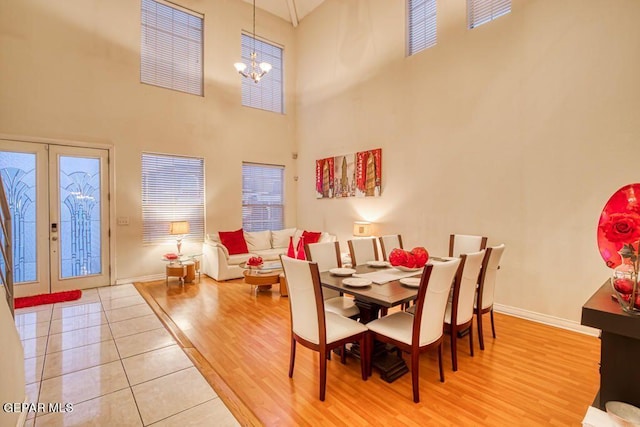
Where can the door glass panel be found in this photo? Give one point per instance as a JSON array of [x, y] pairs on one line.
[[19, 177], [79, 216]]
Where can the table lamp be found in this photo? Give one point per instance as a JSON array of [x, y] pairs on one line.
[[179, 229], [362, 229]]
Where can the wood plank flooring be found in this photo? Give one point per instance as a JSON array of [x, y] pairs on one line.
[[531, 374]]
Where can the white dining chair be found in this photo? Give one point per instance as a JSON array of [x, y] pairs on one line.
[[487, 288], [327, 256], [314, 327], [458, 316], [423, 331], [465, 244], [389, 243], [362, 250]]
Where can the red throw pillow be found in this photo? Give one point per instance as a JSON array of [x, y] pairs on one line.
[[311, 237], [234, 241]]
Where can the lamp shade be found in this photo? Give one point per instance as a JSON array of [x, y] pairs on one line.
[[179, 227], [362, 229]]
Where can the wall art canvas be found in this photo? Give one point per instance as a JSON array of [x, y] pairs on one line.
[[324, 178], [345, 176], [369, 173]]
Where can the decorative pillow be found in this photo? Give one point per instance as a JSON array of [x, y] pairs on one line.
[[258, 240], [311, 236], [234, 241], [280, 238]]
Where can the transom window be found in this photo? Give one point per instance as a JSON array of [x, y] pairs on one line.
[[267, 94], [172, 190], [421, 25], [262, 197], [482, 11], [171, 50]]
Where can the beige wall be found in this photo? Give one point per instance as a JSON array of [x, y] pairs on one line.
[[70, 71], [519, 130]]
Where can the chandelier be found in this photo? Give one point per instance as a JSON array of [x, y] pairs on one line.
[[257, 71]]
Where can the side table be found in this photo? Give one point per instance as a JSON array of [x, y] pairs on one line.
[[175, 270]]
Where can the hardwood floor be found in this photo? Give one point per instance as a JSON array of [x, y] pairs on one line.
[[531, 374]]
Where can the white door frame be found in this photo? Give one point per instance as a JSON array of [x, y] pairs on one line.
[[109, 191]]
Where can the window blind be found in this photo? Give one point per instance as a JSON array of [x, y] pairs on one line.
[[422, 25], [482, 11], [171, 50], [172, 190], [262, 197], [268, 93]]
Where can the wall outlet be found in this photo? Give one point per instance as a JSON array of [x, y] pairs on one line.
[[123, 220]]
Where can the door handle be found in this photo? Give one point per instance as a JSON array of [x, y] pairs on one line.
[[54, 238]]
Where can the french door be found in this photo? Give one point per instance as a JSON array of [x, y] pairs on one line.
[[59, 206]]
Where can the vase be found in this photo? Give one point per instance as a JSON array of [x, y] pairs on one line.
[[291, 253], [625, 286]]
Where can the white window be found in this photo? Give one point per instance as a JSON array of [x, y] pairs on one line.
[[171, 51], [172, 190], [262, 197], [482, 11], [422, 25], [267, 93]]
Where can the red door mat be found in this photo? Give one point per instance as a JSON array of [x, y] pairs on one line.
[[41, 299]]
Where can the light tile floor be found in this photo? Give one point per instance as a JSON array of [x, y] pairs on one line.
[[110, 356]]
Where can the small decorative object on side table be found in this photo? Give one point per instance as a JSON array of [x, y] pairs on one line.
[[619, 244]]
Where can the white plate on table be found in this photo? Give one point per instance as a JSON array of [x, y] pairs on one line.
[[356, 282], [378, 264], [403, 268], [344, 272], [412, 282]]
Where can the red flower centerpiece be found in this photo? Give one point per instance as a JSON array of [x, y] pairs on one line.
[[255, 262], [619, 243]]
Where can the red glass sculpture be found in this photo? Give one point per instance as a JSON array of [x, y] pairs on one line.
[[623, 201]]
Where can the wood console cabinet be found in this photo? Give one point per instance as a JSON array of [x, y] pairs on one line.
[[619, 347]]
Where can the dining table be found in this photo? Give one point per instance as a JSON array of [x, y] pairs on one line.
[[386, 291]]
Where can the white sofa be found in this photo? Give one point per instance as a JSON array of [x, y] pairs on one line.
[[218, 264]]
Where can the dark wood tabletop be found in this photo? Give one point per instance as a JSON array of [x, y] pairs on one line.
[[387, 295]]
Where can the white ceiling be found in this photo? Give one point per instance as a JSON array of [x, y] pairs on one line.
[[290, 10]]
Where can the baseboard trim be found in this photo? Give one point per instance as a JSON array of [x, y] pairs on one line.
[[546, 319], [149, 278]]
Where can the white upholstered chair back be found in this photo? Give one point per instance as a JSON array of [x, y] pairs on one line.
[[327, 256], [465, 244], [468, 282], [434, 301], [305, 319], [389, 243], [489, 274], [363, 250]]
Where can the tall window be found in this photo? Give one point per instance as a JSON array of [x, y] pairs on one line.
[[171, 51], [422, 25], [268, 93], [172, 190], [262, 197], [482, 11]]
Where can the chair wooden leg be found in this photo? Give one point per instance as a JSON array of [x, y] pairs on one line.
[[383, 311], [454, 348], [364, 356], [292, 357], [493, 327], [440, 362], [471, 337], [480, 335], [415, 363], [323, 375]]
